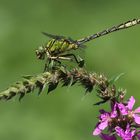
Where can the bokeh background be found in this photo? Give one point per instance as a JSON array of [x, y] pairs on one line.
[[65, 114]]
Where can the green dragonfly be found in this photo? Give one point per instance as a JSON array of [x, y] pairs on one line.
[[59, 47]]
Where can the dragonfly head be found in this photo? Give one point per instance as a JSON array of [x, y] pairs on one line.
[[40, 53]]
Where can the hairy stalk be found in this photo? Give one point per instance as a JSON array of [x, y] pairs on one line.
[[105, 90], [27, 85]]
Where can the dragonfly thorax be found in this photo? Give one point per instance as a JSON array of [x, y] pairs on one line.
[[57, 47]]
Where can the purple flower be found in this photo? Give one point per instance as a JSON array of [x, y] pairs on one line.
[[125, 134], [121, 122], [107, 137], [134, 113], [114, 113], [127, 110], [105, 119], [122, 108]]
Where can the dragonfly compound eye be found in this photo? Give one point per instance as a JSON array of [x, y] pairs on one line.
[[40, 53]]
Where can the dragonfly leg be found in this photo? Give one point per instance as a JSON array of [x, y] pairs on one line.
[[46, 68], [51, 63], [62, 57], [68, 57], [79, 62]]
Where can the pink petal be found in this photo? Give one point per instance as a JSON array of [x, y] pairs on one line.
[[97, 131], [136, 118], [133, 133], [131, 103], [127, 129], [123, 109], [119, 131], [104, 116], [114, 114], [137, 110], [103, 125], [114, 111]]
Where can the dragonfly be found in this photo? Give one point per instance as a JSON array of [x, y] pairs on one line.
[[58, 47]]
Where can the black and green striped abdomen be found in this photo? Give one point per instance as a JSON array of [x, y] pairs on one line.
[[55, 47]]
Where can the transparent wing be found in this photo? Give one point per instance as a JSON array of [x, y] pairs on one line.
[[57, 37], [53, 36]]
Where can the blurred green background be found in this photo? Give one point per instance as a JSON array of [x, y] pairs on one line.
[[64, 114]]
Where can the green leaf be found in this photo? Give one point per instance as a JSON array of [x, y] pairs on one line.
[[27, 77], [52, 86], [22, 94], [63, 69], [71, 81], [115, 78]]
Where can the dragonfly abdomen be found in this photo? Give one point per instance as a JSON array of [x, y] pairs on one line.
[[110, 30]]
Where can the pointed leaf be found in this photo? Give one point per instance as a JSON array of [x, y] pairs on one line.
[[101, 102], [27, 76], [52, 86], [71, 81], [115, 78], [22, 94], [12, 94]]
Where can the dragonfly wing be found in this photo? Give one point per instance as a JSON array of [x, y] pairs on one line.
[[53, 36], [75, 42], [82, 46], [71, 40]]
